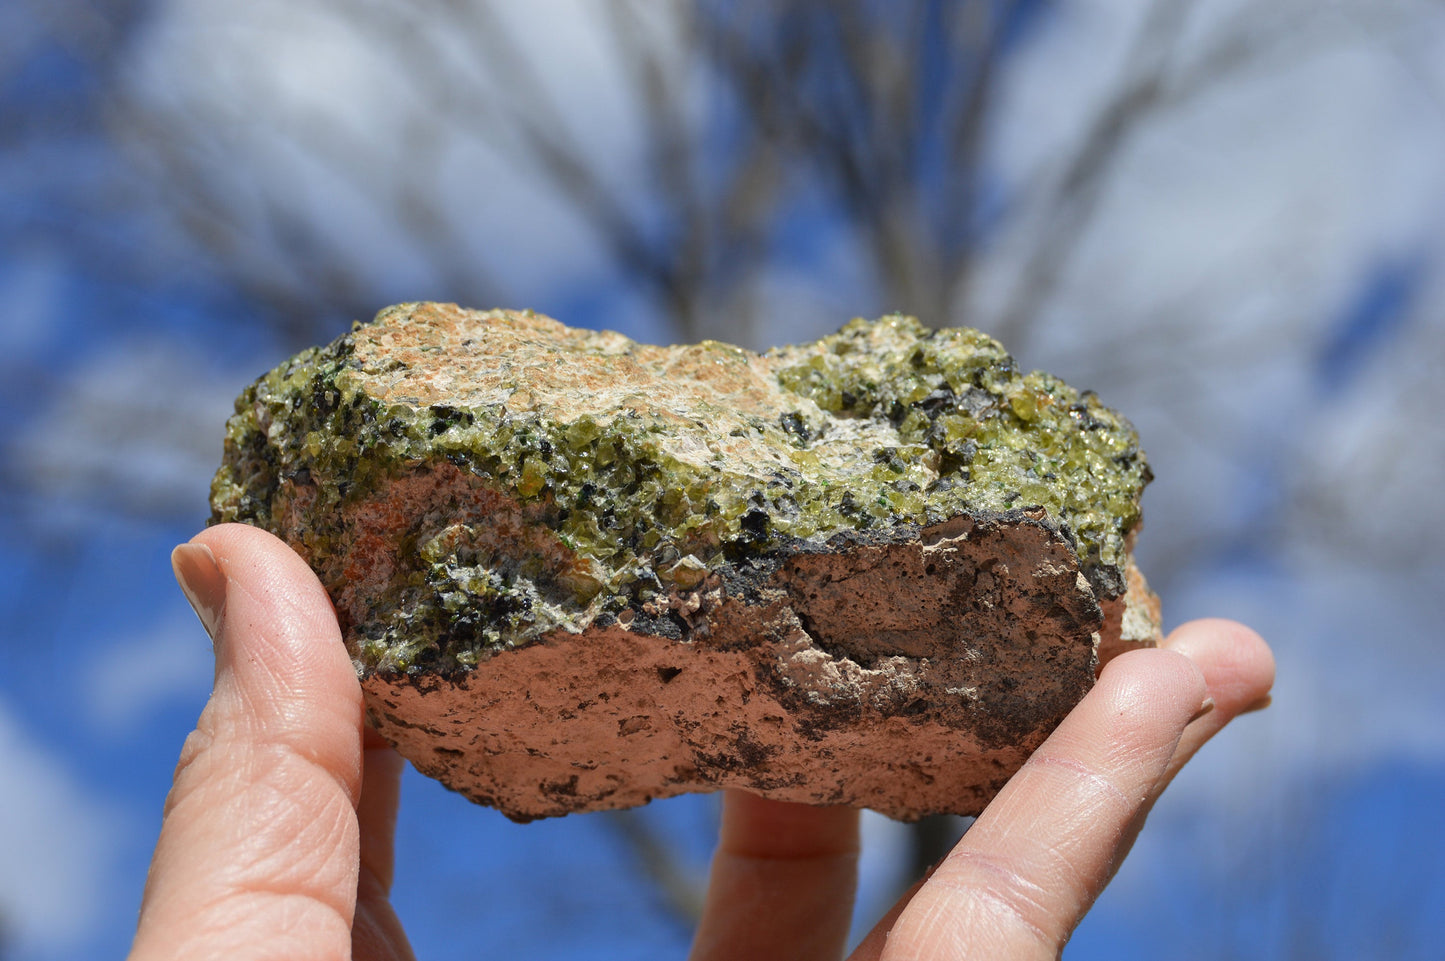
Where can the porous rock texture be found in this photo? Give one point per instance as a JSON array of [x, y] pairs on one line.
[[576, 572]]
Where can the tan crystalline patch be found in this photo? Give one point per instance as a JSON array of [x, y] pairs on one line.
[[531, 364]]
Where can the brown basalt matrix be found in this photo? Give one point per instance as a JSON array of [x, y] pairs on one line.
[[576, 572]]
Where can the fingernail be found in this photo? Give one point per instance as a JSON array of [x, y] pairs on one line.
[[1258, 705], [1204, 709], [202, 582]]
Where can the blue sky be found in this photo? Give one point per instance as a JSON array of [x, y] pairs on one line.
[[1265, 272]]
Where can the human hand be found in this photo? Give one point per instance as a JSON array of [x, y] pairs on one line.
[[277, 834], [277, 838], [1031, 865]]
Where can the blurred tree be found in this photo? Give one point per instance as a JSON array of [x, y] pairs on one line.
[[756, 122], [850, 143], [854, 142]]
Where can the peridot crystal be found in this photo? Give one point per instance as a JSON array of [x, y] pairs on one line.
[[466, 482]]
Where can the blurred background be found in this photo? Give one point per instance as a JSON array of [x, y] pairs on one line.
[[1228, 218]]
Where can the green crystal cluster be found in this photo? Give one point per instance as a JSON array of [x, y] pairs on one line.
[[627, 494], [1000, 438]]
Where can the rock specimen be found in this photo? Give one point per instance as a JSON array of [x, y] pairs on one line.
[[576, 572]]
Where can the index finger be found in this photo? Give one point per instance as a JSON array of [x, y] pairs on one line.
[[1036, 859], [1034, 862], [781, 884]]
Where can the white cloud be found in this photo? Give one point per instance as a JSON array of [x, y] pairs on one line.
[[30, 286], [1283, 174], [56, 843], [324, 111], [140, 423], [1359, 668], [132, 676]]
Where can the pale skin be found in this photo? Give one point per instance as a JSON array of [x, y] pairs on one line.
[[277, 834]]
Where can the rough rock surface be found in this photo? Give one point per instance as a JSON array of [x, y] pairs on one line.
[[577, 572]]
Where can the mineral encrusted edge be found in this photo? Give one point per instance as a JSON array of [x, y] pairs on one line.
[[883, 424]]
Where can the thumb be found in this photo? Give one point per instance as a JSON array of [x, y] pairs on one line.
[[259, 848]]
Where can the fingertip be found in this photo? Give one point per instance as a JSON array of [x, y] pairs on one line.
[[1221, 633], [276, 594], [755, 826], [243, 550], [201, 581], [783, 875], [283, 672], [1039, 855], [1237, 663], [1155, 679]]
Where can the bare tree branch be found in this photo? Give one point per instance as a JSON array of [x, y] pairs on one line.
[[1076, 194], [683, 893]]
